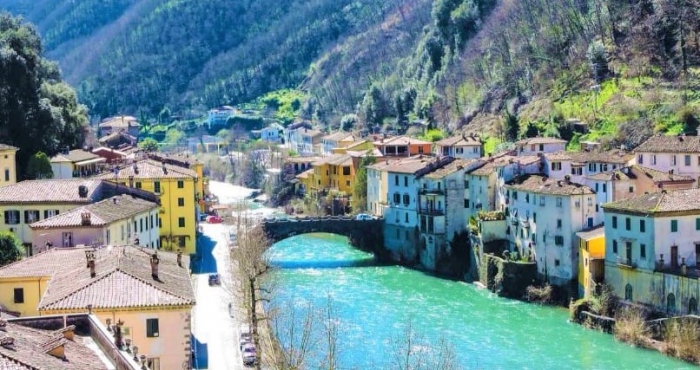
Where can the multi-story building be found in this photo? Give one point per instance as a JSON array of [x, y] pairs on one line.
[[176, 188], [188, 162], [148, 295], [127, 124], [402, 146], [652, 249], [119, 220], [539, 145], [76, 163], [336, 140], [543, 216], [219, 116], [8, 164], [462, 146], [271, 133], [579, 165], [591, 265], [672, 154]]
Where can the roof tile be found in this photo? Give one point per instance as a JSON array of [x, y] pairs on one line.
[[544, 185], [52, 190]]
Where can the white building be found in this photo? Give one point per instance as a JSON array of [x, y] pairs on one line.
[[579, 165], [539, 145], [680, 154], [271, 133], [652, 246], [543, 216], [335, 140], [462, 146], [219, 115]]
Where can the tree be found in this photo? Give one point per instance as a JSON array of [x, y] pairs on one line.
[[598, 60], [149, 144], [11, 248], [512, 126], [38, 112], [531, 130], [173, 137], [39, 167], [347, 123], [253, 174], [359, 191]]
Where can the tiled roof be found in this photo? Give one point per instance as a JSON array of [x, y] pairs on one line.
[[123, 278], [454, 166], [502, 160], [595, 232], [7, 147], [101, 213], [460, 140], [408, 165], [616, 156], [149, 169], [117, 135], [311, 133], [670, 144], [544, 185], [49, 191], [540, 140], [632, 172], [402, 140], [182, 160], [306, 174], [339, 136], [74, 156], [672, 201], [120, 121], [31, 347]]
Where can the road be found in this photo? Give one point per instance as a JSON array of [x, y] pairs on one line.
[[214, 330]]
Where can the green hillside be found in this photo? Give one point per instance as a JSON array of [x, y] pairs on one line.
[[627, 66]]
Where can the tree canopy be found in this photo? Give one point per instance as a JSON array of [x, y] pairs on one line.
[[11, 249], [38, 112]]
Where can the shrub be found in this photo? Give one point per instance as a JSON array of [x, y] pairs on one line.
[[630, 326], [11, 248], [682, 339], [543, 294]]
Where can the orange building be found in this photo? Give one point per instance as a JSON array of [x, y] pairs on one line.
[[403, 146]]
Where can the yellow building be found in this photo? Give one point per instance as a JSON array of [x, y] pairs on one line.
[[150, 294], [185, 161], [591, 265], [176, 187], [355, 146], [8, 164], [24, 203]]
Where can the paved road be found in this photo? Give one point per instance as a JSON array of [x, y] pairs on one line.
[[214, 329]]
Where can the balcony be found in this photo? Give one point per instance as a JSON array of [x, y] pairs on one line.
[[431, 192], [431, 211], [626, 263]]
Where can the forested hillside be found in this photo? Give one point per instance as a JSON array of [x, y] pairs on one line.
[[502, 67]]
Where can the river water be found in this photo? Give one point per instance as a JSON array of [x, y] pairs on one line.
[[374, 306]]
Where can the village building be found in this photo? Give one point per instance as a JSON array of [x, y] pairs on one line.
[[591, 266], [271, 133], [403, 146], [8, 164], [652, 249], [112, 156], [336, 140], [119, 220], [462, 146], [539, 145], [206, 144], [126, 124], [76, 163], [543, 216], [153, 312], [219, 116], [579, 165], [671, 154], [118, 140]]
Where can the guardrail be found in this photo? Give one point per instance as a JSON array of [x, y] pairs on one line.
[[322, 218]]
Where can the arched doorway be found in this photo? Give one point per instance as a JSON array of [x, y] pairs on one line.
[[628, 292], [671, 303], [693, 306]]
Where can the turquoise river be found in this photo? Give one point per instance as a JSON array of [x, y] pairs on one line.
[[373, 307]]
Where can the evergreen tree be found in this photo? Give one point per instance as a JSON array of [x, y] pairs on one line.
[[11, 249], [39, 167], [359, 192]]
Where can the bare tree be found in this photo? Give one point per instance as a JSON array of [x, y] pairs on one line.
[[413, 352]]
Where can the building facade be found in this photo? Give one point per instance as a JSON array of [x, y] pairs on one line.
[[8, 164], [671, 154], [462, 146]]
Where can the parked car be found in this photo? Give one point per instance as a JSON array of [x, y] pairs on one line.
[[214, 279], [249, 354], [364, 217], [214, 219], [203, 217]]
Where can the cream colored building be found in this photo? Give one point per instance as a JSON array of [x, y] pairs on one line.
[[119, 220], [150, 294], [8, 164], [76, 163]]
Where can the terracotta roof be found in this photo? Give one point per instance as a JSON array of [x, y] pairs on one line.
[[540, 140], [105, 149], [672, 201], [460, 140], [670, 144], [502, 160], [454, 166], [149, 169], [31, 346], [117, 135], [74, 156], [404, 165], [123, 278], [179, 159], [305, 174], [311, 133], [401, 140], [101, 213], [544, 185], [335, 160], [616, 156], [634, 171], [120, 121], [339, 136], [50, 191], [301, 159], [356, 144], [7, 147]]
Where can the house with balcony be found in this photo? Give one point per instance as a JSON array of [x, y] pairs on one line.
[[652, 249], [8, 164], [403, 146], [76, 163], [146, 295], [543, 216], [539, 145], [336, 140], [126, 124], [118, 220], [671, 154], [462, 146], [578, 165]]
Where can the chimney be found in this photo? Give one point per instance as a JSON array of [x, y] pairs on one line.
[[68, 332], [154, 265], [567, 179], [82, 191], [90, 256], [7, 342], [3, 325], [85, 217], [179, 258], [55, 347], [165, 169]]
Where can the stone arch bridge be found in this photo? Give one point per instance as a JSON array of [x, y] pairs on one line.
[[366, 235]]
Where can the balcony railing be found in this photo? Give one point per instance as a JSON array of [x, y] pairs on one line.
[[431, 211], [626, 263], [432, 192]]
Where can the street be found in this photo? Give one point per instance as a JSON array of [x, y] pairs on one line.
[[214, 330]]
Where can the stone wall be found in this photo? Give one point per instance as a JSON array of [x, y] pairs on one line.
[[507, 278]]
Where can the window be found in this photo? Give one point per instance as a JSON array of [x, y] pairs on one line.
[[642, 251], [346, 170], [347, 182], [614, 222], [558, 240], [19, 295], [605, 188], [406, 199], [109, 237], [138, 184], [397, 198], [181, 222], [152, 328], [671, 303], [674, 226], [697, 224], [559, 223], [556, 166], [596, 187], [396, 180], [466, 184], [7, 174], [615, 246], [693, 306], [673, 160], [151, 221], [556, 263], [687, 160], [31, 216], [653, 159], [631, 189], [527, 197], [534, 217], [628, 223], [180, 202], [628, 292], [156, 186], [577, 171], [141, 225], [515, 195], [406, 217], [466, 203], [160, 222], [180, 184], [559, 202], [541, 147], [640, 159], [50, 213], [542, 200], [405, 181]]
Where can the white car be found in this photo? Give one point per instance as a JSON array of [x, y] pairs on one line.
[[249, 354], [364, 217]]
